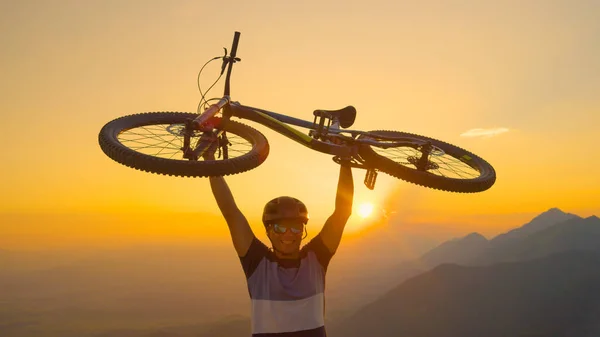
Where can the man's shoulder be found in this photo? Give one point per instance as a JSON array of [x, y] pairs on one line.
[[314, 243], [258, 248], [256, 253], [318, 248]]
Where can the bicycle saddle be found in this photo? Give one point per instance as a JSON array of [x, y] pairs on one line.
[[346, 115]]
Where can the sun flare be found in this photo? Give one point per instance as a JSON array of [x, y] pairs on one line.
[[365, 209]]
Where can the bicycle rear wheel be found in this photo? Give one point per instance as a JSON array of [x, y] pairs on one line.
[[447, 168], [153, 142]]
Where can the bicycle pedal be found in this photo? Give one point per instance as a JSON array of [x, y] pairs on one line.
[[370, 178]]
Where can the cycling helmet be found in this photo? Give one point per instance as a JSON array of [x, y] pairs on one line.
[[284, 208]]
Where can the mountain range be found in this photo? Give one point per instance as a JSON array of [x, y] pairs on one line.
[[542, 279], [550, 232]]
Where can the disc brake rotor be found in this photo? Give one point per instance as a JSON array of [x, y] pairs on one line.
[[179, 130]]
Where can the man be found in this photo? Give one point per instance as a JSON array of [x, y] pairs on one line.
[[286, 284]]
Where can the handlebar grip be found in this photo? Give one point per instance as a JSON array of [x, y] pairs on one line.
[[236, 39]]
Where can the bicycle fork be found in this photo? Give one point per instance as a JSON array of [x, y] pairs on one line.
[[208, 139]]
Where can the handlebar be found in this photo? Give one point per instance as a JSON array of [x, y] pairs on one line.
[[230, 60]]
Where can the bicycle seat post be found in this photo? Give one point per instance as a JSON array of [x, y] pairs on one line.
[[336, 123]]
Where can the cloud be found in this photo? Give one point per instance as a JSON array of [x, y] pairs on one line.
[[485, 133]]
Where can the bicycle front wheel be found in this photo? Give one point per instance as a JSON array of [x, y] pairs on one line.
[[153, 142], [446, 167]]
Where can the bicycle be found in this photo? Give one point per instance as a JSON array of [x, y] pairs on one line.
[[174, 143]]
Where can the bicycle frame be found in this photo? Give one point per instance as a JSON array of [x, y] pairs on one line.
[[281, 124]]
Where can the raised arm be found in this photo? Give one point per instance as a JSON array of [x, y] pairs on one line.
[[240, 230], [332, 231]]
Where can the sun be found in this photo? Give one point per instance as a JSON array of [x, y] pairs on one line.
[[365, 209]]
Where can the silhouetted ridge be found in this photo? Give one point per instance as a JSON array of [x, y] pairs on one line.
[[574, 234], [547, 219], [534, 239], [456, 250]]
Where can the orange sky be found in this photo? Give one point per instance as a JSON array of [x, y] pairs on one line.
[[432, 68]]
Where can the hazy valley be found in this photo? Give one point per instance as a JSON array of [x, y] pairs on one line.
[[467, 285]]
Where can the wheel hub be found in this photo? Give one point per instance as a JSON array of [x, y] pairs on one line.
[[417, 162]]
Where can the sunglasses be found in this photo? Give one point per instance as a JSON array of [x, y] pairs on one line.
[[280, 229]]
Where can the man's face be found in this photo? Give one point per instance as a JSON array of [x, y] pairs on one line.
[[286, 235]]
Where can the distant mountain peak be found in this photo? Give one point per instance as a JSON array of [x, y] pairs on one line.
[[474, 236], [457, 250], [553, 215], [542, 221], [552, 212]]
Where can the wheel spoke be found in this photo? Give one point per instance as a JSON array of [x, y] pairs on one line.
[[166, 141], [447, 165], [171, 142]]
